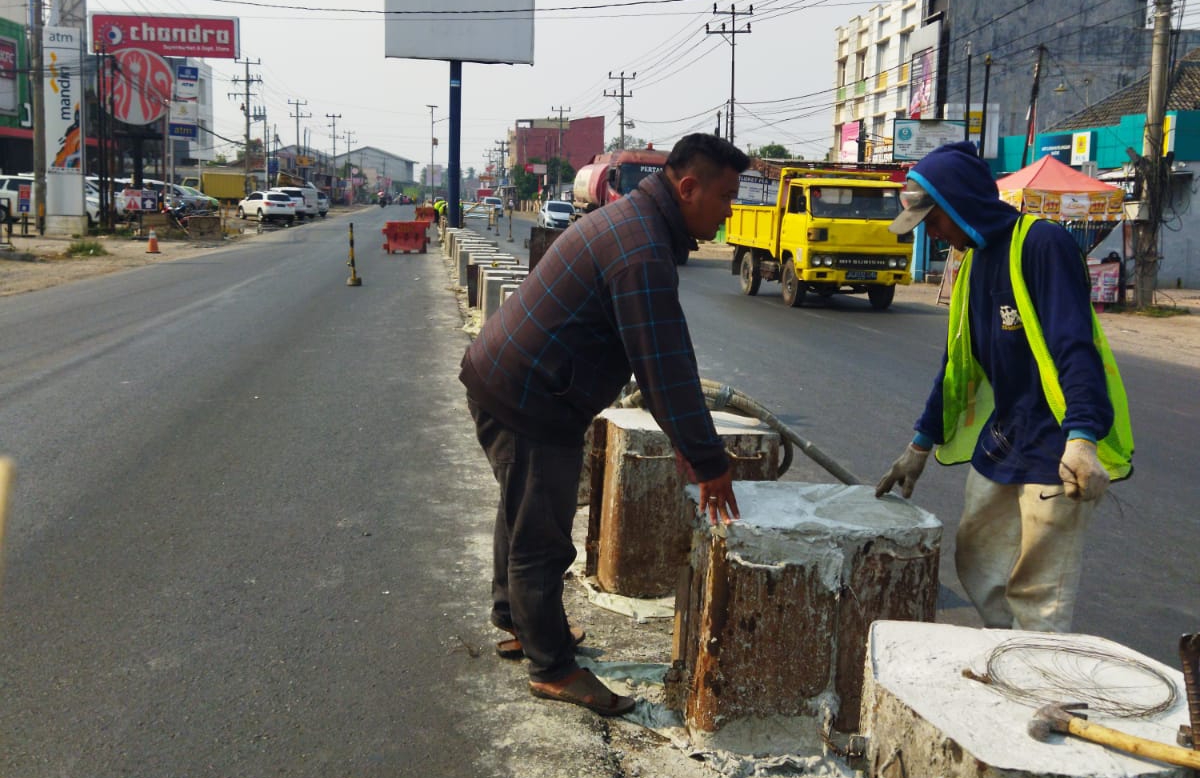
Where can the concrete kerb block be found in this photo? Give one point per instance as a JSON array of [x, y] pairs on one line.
[[490, 281], [464, 252], [448, 243], [507, 291], [474, 278]]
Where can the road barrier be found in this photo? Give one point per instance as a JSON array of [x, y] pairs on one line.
[[404, 237]]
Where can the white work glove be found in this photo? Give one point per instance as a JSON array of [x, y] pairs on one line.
[[1083, 477], [905, 471]]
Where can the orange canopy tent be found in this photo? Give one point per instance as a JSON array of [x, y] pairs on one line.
[[1052, 190]]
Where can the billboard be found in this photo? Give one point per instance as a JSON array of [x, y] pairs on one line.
[[63, 86], [142, 86], [212, 37], [924, 42], [64, 95], [15, 107], [488, 31]]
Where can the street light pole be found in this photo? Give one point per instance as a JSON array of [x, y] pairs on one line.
[[432, 148]]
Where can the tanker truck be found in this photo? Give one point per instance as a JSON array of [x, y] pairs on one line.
[[611, 176]]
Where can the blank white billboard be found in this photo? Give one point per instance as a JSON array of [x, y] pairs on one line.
[[494, 31]]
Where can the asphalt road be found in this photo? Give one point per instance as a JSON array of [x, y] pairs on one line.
[[251, 528], [853, 381], [246, 537]]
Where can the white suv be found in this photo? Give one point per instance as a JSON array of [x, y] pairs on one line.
[[308, 205], [10, 186]]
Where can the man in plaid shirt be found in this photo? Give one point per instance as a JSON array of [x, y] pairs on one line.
[[603, 302]]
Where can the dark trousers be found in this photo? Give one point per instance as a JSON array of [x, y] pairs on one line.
[[531, 544]]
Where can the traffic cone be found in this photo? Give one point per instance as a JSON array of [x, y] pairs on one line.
[[152, 244]]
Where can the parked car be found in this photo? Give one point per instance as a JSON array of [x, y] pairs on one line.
[[203, 201], [556, 214], [322, 203], [496, 203], [268, 206], [308, 204], [10, 187]]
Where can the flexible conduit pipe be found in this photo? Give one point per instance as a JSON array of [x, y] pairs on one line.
[[720, 396]]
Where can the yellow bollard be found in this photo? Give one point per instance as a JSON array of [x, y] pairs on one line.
[[353, 280]]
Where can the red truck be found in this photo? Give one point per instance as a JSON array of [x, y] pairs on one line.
[[611, 176]]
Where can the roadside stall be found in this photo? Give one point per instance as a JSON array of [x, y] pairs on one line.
[[1088, 208]]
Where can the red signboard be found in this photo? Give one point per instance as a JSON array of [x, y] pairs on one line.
[[210, 37], [142, 84]]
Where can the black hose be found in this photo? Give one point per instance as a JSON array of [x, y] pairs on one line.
[[720, 396]]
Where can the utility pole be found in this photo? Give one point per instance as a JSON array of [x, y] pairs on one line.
[[333, 117], [260, 115], [248, 81], [1031, 122], [38, 79], [348, 136], [732, 32], [297, 104], [967, 101], [1152, 175], [987, 79], [558, 178], [502, 151], [620, 95], [432, 149]]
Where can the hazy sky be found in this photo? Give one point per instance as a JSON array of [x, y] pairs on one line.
[[329, 53]]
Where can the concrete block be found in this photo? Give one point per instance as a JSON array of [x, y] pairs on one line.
[[773, 621], [473, 266], [464, 252], [491, 280], [922, 717]]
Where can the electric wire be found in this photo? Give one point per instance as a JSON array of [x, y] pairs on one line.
[[1063, 668]]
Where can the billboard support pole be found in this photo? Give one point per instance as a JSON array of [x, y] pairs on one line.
[[452, 163]]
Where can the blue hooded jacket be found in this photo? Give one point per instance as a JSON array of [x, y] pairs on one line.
[[1021, 443]]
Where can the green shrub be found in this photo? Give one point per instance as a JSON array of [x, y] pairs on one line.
[[86, 248]]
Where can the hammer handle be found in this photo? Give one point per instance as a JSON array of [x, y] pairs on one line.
[[1140, 746]]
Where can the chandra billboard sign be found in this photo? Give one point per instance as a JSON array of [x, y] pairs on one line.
[[211, 37]]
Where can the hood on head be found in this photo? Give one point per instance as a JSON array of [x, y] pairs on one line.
[[961, 184]]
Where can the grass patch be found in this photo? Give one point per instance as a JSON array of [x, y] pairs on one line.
[[86, 248]]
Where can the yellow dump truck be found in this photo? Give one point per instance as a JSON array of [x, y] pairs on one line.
[[821, 230]]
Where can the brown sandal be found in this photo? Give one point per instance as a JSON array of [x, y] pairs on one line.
[[510, 648], [583, 688]]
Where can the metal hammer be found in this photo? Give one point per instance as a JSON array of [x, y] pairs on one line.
[[1062, 718]]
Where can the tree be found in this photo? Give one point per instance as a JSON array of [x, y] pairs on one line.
[[526, 183], [773, 151], [630, 143], [553, 167]]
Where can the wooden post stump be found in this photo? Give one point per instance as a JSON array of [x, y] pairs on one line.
[[641, 518], [773, 620], [922, 716]]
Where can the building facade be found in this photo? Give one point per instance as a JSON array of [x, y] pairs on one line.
[[538, 139], [909, 59]]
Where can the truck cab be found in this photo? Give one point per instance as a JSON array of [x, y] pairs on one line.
[[820, 231]]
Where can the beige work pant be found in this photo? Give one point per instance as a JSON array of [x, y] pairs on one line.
[[1018, 555]]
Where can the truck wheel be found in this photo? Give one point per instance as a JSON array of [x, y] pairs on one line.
[[748, 269], [793, 290], [881, 296]]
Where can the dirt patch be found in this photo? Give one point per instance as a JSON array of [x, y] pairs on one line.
[[39, 262]]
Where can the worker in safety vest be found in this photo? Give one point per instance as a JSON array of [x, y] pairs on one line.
[[1028, 393]]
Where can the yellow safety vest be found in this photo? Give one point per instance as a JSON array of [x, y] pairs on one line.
[[967, 400]]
